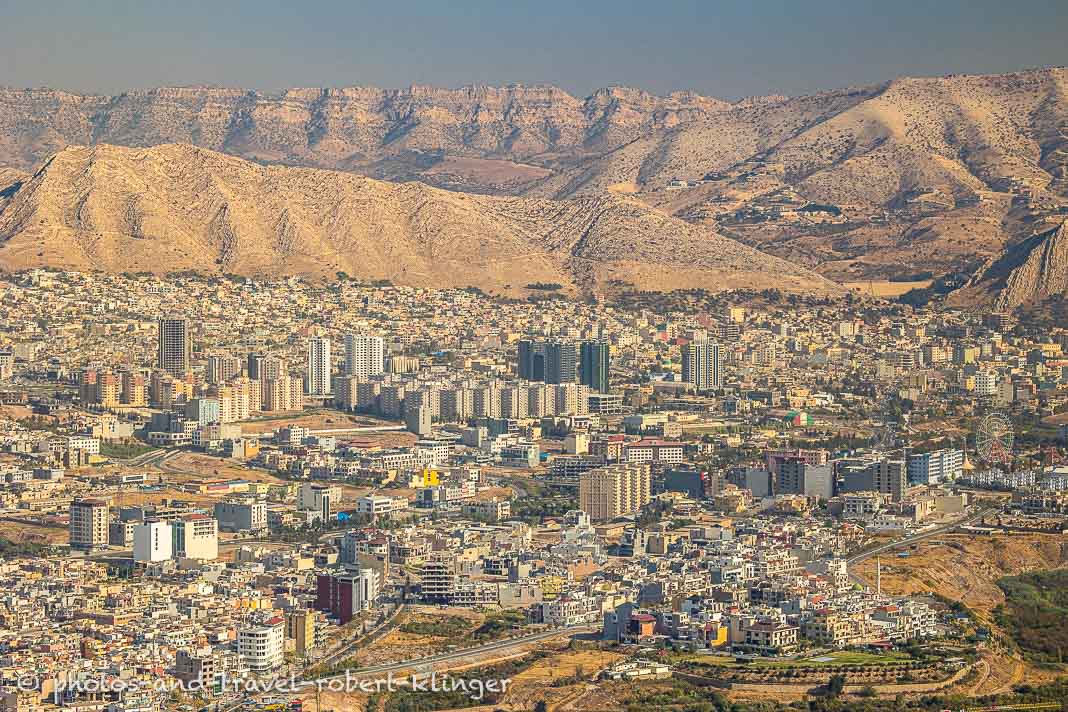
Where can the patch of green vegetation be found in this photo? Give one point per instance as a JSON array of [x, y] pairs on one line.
[[823, 660], [541, 504], [1035, 613], [443, 627], [498, 624], [124, 450], [15, 550]]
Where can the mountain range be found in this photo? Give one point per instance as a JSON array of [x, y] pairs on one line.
[[176, 207], [911, 178]]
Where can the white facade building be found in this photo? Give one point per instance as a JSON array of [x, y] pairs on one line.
[[364, 355], [319, 367], [152, 542], [196, 538], [262, 647], [702, 365]]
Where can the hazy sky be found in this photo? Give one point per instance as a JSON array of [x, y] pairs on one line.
[[724, 49]]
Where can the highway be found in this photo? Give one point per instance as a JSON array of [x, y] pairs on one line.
[[503, 648], [349, 648], [499, 646]]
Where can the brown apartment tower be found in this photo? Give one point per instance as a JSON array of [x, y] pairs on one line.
[[175, 346]]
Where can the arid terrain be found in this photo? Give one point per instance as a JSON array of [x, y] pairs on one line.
[[966, 568], [961, 177], [177, 207]]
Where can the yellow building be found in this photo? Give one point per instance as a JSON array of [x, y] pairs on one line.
[[551, 586], [608, 492]]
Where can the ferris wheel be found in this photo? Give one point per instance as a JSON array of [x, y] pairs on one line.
[[994, 438]]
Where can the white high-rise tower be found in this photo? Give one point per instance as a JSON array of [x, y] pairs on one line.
[[319, 366], [364, 355], [702, 365]]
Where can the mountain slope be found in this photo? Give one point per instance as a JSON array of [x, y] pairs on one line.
[[176, 207], [922, 175], [378, 131], [1029, 272], [908, 178], [865, 145]]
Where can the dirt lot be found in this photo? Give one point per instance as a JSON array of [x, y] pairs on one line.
[[24, 532], [398, 645], [188, 466], [567, 664], [885, 289], [324, 420], [966, 567], [17, 412]]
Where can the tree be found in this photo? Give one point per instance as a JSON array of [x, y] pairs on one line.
[[541, 706], [835, 685]]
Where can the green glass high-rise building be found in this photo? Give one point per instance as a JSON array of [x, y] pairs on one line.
[[594, 364]]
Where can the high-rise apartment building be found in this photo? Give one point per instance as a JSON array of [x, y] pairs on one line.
[[222, 368], [254, 365], [346, 392], [175, 346], [282, 393], [457, 404], [571, 399], [88, 524], [152, 542], [702, 365], [614, 490], [986, 383], [134, 389], [531, 361], [889, 477], [796, 476], [348, 593], [99, 388], [561, 362], [364, 355], [932, 468], [548, 361], [595, 364], [318, 382]]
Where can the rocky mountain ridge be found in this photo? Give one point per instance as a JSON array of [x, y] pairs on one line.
[[176, 207]]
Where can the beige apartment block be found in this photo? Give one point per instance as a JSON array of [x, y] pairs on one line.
[[608, 492]]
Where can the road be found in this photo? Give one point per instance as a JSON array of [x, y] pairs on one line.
[[503, 648], [499, 646], [912, 539], [148, 458], [347, 649]]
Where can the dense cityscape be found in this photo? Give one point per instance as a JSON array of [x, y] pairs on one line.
[[213, 483]]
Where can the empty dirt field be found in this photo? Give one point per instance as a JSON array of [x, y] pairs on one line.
[[27, 533], [885, 289], [966, 567]]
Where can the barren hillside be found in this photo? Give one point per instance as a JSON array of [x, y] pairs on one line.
[[401, 133], [176, 207], [1033, 270], [909, 179], [867, 145], [910, 176]]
